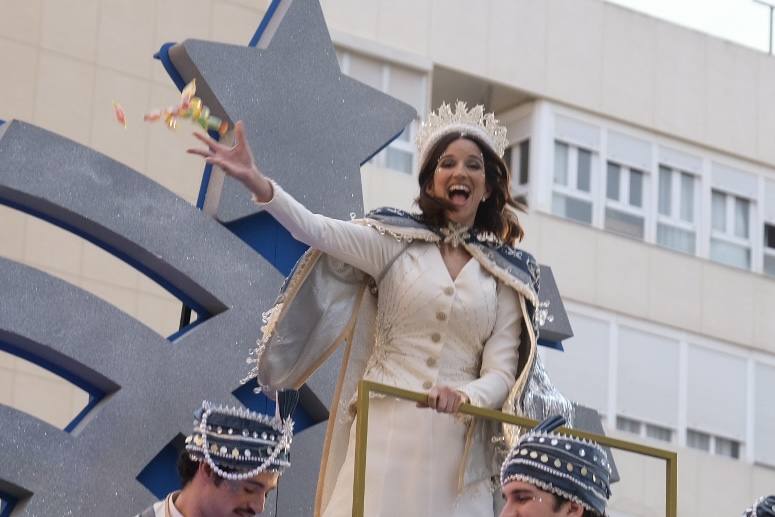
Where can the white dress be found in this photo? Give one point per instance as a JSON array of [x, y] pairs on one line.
[[430, 329]]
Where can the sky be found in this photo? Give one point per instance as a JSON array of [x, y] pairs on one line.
[[741, 21]]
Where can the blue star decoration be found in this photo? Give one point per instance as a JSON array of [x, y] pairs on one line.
[[309, 126]]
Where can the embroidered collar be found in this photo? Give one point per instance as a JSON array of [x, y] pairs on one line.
[[455, 234], [515, 267]]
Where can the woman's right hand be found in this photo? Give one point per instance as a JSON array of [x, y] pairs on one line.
[[236, 161], [444, 399]]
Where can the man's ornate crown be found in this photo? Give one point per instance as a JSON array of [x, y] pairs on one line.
[[461, 120]]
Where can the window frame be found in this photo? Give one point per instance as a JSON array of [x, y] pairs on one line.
[[570, 189], [766, 250], [713, 444], [644, 427], [515, 158], [572, 172], [728, 235], [624, 190], [405, 146], [674, 219], [679, 156], [676, 205], [626, 207]]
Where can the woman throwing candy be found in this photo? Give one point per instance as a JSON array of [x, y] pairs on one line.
[[440, 302]]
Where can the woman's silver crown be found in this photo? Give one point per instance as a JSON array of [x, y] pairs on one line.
[[474, 121]]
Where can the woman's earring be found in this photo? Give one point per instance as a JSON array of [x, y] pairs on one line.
[[484, 198]]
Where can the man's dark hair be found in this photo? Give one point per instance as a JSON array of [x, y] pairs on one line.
[[186, 468], [559, 501]]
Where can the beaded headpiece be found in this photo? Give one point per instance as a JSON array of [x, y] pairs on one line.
[[574, 469], [763, 507], [461, 120], [238, 443]]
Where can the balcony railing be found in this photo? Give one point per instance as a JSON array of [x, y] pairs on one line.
[[366, 388]]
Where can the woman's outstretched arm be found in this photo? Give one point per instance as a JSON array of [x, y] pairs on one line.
[[360, 246]]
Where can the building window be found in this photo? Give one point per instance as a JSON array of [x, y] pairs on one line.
[[399, 155], [517, 158], [643, 429], [698, 440], [714, 444], [400, 82], [572, 197], [676, 210], [657, 432], [769, 249], [628, 425], [727, 447], [523, 162], [730, 241], [625, 192]]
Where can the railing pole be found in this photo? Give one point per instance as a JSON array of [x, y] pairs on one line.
[[365, 388], [361, 434], [671, 486]]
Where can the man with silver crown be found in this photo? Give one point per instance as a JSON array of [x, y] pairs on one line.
[[232, 460], [551, 474], [440, 301], [763, 507]]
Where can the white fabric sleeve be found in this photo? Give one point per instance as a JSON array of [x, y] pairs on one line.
[[354, 244], [500, 354]]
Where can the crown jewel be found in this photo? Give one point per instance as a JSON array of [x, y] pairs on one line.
[[460, 119]]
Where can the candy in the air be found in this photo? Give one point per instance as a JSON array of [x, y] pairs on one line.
[[190, 107], [152, 116], [119, 113], [188, 92], [171, 121]]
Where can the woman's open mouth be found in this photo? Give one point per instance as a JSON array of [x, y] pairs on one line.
[[459, 194]]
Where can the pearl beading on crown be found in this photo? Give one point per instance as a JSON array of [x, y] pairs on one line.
[[460, 119]]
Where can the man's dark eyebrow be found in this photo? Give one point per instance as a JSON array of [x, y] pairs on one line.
[[519, 491]]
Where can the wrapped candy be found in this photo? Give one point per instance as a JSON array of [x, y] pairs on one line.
[[152, 116], [119, 113], [190, 107], [188, 92]]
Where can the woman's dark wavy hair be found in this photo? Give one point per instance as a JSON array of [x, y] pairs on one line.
[[493, 214]]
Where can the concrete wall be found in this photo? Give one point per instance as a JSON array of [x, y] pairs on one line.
[[708, 485], [646, 281]]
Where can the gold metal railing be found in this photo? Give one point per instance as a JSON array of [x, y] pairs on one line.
[[366, 388]]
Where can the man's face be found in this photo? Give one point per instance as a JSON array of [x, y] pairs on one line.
[[238, 498], [525, 500]]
